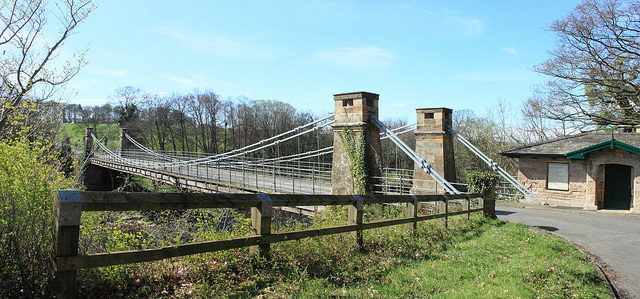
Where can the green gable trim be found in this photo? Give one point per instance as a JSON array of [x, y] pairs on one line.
[[579, 154]]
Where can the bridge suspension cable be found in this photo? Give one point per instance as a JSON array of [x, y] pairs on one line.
[[402, 130], [422, 163], [495, 167], [170, 161], [145, 149], [234, 153]]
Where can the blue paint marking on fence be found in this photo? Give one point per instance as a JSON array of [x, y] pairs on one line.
[[69, 196], [264, 197]]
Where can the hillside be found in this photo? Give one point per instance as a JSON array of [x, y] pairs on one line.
[[76, 132]]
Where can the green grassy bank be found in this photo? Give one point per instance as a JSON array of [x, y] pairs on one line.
[[477, 258], [76, 132]]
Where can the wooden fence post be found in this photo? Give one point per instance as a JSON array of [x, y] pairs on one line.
[[355, 217], [412, 212], [444, 209], [67, 208], [466, 202], [489, 202], [261, 224]]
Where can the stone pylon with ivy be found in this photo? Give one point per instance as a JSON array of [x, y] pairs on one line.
[[356, 144]]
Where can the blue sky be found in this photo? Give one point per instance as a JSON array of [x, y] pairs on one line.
[[415, 54]]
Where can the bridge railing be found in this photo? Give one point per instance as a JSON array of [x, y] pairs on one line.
[[298, 176], [69, 205], [401, 181]]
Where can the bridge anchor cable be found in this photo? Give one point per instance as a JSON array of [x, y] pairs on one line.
[[422, 163], [495, 167]]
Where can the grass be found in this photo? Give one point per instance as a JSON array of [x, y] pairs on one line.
[[472, 258], [504, 261], [76, 133]]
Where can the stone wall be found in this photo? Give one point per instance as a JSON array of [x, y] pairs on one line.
[[597, 162], [586, 178], [533, 175]]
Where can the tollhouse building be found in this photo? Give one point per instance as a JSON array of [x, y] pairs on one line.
[[588, 170]]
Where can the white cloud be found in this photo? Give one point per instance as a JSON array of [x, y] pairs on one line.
[[363, 58], [216, 45], [463, 27], [497, 75], [186, 82], [444, 22], [91, 102], [512, 51], [195, 82]]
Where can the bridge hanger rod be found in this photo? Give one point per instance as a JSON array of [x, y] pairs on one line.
[[110, 152], [422, 163], [221, 156], [120, 158], [145, 149], [305, 155], [329, 149], [228, 155], [495, 167], [214, 159], [285, 133], [173, 159], [236, 153]]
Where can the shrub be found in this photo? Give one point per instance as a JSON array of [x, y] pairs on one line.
[[28, 180], [481, 181]]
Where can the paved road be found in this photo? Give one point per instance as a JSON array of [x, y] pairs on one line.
[[614, 238]]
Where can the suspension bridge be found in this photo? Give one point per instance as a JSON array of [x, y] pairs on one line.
[[353, 171], [261, 168]]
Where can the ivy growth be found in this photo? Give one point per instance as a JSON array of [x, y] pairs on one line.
[[354, 144], [481, 181]]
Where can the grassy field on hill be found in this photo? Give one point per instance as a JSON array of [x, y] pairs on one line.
[[76, 133]]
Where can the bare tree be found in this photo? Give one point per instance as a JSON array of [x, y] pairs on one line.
[[230, 120], [128, 100], [213, 106], [104, 113], [180, 116], [206, 108], [392, 156], [29, 68], [490, 134], [596, 68], [159, 110]]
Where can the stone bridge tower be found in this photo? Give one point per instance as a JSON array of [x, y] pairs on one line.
[[96, 178], [356, 144], [434, 144], [124, 144]]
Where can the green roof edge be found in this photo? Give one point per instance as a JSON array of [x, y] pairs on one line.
[[612, 143]]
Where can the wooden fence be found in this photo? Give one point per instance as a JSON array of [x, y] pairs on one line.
[[68, 207]]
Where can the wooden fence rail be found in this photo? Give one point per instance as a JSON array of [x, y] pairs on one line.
[[69, 204]]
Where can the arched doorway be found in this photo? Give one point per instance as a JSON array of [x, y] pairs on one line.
[[618, 192]]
